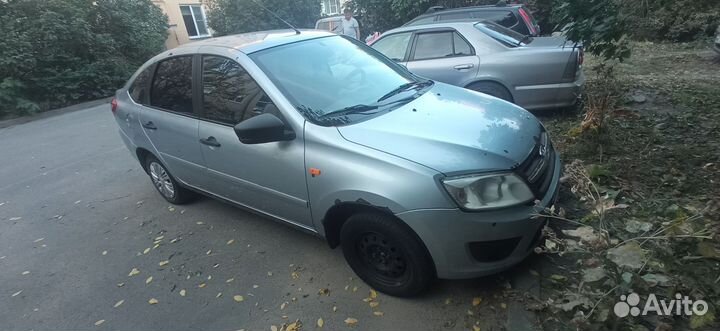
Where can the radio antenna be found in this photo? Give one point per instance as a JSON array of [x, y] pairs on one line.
[[276, 16]]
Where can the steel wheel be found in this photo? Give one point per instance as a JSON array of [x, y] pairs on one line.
[[161, 180], [382, 256]]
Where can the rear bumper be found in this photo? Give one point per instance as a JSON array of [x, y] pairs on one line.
[[468, 245], [545, 96]]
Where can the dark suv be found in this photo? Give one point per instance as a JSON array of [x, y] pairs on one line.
[[515, 17]]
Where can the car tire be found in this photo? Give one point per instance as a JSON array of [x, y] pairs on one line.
[[165, 183], [491, 88], [386, 254]]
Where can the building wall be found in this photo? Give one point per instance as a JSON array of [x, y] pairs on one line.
[[177, 32]]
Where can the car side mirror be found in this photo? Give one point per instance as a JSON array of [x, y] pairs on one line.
[[263, 128]]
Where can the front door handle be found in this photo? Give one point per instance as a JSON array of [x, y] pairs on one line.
[[464, 66], [149, 125], [210, 141]]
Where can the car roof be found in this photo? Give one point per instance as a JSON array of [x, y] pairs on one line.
[[436, 25], [462, 9], [256, 41]]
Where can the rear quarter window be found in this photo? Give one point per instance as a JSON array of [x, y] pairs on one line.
[[502, 17], [139, 88]]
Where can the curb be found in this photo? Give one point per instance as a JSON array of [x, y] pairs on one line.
[[54, 112]]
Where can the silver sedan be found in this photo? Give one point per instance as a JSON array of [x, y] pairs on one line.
[[532, 72]]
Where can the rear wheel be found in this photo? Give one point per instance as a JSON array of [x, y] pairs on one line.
[[165, 184], [386, 254], [492, 88]]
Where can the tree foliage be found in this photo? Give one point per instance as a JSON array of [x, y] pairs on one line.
[[598, 24], [58, 52], [239, 16]]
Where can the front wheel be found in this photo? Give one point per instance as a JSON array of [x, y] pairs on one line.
[[386, 254]]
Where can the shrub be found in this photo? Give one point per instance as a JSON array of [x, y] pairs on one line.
[[238, 16], [58, 52]]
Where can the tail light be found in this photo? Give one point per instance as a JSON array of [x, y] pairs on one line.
[[581, 56], [528, 21], [113, 105]]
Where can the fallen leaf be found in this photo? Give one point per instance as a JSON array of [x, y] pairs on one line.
[[351, 321], [295, 275], [476, 328], [17, 293], [120, 284], [148, 280], [104, 253], [117, 304], [269, 274], [503, 305], [153, 301], [324, 291], [230, 241], [15, 218], [163, 263], [476, 301], [147, 250], [558, 278], [182, 292], [229, 280], [38, 240], [448, 301], [256, 286], [238, 298], [374, 304], [201, 285], [200, 223], [133, 272], [628, 255], [171, 208], [156, 246], [354, 289], [25, 272], [208, 252], [273, 328], [635, 226], [334, 308], [656, 279], [594, 274], [99, 322], [218, 295], [320, 322], [373, 294], [282, 305], [294, 326]]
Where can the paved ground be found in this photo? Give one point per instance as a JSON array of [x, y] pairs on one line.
[[77, 214]]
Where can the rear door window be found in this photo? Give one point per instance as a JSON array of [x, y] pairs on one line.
[[229, 94], [393, 46], [172, 85], [433, 45]]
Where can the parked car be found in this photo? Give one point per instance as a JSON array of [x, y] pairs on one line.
[[532, 72], [414, 179], [716, 46], [514, 17]]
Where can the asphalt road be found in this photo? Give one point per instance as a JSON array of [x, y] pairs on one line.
[[77, 214]]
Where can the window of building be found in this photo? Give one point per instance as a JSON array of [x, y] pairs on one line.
[[195, 21], [330, 7]]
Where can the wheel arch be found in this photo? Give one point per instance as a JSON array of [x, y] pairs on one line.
[[491, 80], [142, 155]]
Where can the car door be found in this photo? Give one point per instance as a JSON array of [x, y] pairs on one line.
[[169, 119], [395, 46], [443, 55], [268, 177]]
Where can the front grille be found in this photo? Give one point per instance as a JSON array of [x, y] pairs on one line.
[[538, 168]]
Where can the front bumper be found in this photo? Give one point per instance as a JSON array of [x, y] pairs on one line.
[[456, 239]]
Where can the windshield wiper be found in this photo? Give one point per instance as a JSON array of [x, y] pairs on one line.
[[356, 109], [405, 87]]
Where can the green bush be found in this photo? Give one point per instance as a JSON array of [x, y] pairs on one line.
[[59, 52], [238, 16]]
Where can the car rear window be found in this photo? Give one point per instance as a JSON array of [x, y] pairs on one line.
[[502, 17], [502, 34]]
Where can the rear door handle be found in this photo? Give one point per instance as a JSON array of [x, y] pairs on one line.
[[210, 141], [149, 125], [463, 66]]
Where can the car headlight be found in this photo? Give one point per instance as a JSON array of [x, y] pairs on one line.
[[477, 192]]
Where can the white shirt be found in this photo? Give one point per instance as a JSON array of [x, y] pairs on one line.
[[349, 26]]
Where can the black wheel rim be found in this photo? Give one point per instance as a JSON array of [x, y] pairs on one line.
[[384, 259]]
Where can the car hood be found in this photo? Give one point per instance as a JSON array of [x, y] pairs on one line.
[[451, 130]]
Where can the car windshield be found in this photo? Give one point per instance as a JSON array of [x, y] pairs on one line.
[[502, 34], [332, 75]]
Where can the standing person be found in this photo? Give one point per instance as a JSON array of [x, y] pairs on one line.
[[350, 26]]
